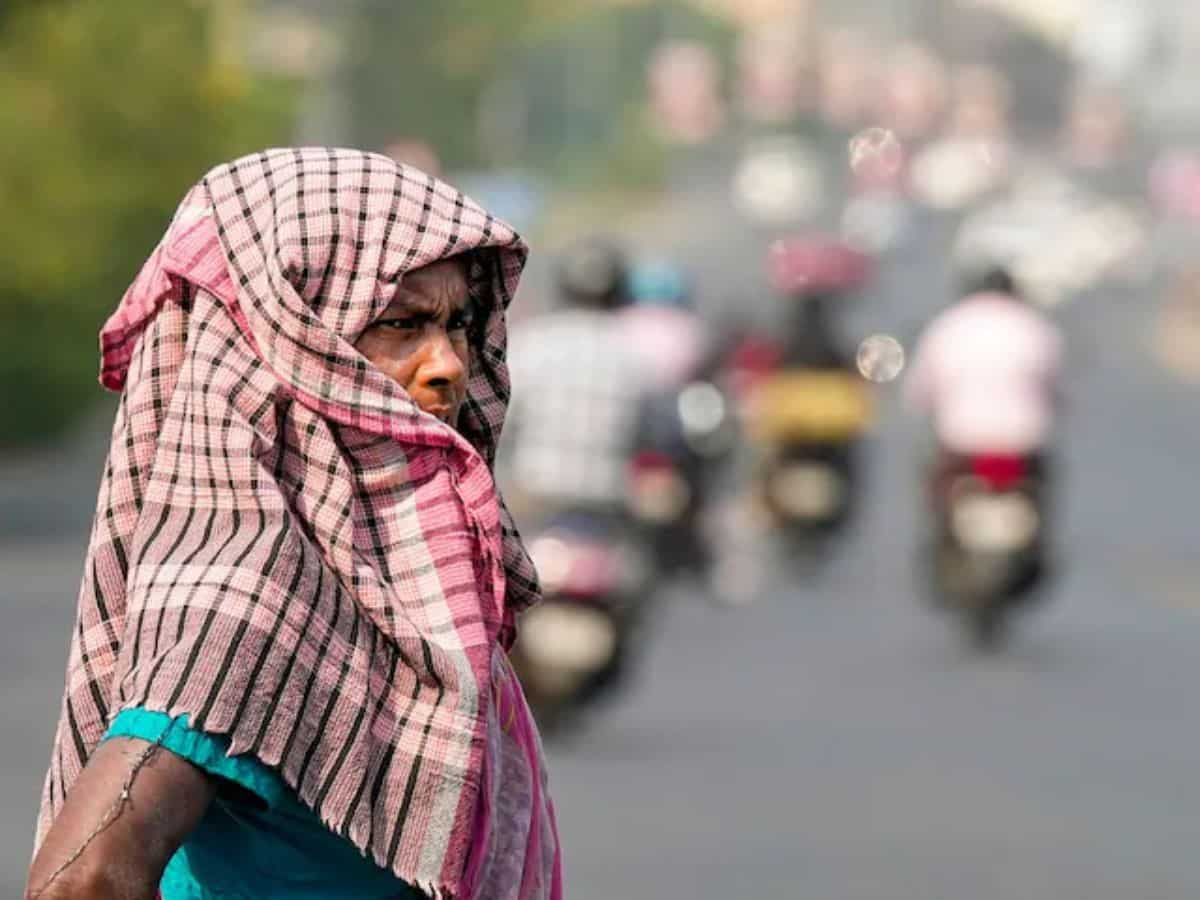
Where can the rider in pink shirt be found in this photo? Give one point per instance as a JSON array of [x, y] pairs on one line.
[[986, 373], [662, 326]]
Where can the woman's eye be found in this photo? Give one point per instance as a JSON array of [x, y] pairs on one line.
[[461, 320], [399, 324]]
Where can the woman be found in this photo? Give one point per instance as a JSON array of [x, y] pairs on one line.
[[288, 677]]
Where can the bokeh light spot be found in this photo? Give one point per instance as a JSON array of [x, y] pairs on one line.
[[880, 358], [875, 154]]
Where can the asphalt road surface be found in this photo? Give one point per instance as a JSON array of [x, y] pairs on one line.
[[833, 739]]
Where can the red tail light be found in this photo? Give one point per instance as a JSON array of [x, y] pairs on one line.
[[752, 361], [594, 573], [999, 472], [572, 567], [650, 461], [755, 357]]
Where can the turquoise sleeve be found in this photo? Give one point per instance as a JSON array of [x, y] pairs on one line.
[[209, 752]]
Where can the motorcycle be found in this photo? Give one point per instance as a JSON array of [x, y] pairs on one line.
[[809, 414], [989, 551], [574, 647], [687, 434], [808, 427]]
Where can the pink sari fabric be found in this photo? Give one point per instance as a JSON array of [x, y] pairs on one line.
[[291, 552]]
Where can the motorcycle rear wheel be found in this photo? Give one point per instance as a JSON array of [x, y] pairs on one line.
[[987, 628]]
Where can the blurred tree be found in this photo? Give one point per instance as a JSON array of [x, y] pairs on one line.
[[417, 70], [576, 71], [587, 76], [109, 112]]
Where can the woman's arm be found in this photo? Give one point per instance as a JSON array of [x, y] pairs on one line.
[[128, 812]]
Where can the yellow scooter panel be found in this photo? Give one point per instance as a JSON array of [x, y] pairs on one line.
[[810, 406]]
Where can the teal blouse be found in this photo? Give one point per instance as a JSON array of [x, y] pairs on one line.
[[260, 843]]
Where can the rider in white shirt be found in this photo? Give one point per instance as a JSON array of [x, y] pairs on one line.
[[578, 388]]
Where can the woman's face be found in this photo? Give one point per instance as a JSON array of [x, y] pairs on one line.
[[421, 340]]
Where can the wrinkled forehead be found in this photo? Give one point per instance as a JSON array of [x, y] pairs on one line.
[[442, 282]]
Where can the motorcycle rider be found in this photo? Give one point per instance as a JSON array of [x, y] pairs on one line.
[[986, 373], [577, 389], [808, 415], [685, 428], [814, 274], [662, 325]]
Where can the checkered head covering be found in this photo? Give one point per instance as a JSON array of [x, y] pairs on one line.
[[287, 549]]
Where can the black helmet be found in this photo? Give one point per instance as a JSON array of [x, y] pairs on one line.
[[992, 279], [592, 273]]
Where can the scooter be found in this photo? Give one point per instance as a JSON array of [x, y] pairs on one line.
[[808, 427], [686, 437], [989, 554], [808, 415], [575, 647]]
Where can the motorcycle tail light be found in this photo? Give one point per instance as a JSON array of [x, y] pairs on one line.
[[999, 472], [583, 569], [751, 361], [595, 573], [650, 461]]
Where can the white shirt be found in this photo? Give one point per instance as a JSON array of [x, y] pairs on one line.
[[986, 372], [577, 390]]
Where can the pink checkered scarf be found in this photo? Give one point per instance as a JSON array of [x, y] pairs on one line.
[[288, 550]]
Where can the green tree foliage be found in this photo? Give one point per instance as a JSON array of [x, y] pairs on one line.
[[417, 69], [109, 111], [586, 78], [420, 70]]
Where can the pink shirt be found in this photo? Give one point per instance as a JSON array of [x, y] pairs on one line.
[[670, 341], [985, 372]]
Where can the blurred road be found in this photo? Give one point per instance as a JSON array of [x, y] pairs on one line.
[[832, 740], [835, 741]]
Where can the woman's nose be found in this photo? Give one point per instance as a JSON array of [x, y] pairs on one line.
[[442, 366]]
